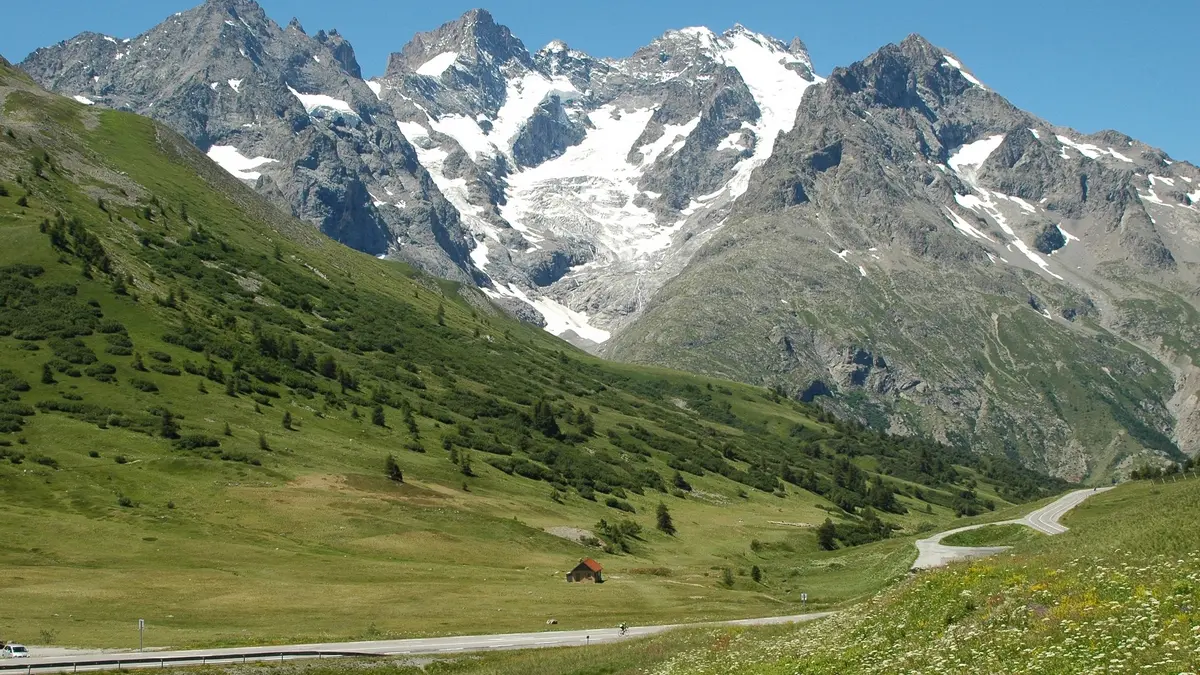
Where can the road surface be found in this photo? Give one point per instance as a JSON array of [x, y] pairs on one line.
[[413, 647], [933, 553]]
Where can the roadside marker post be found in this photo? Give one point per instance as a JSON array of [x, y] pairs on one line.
[[804, 599], [141, 629]]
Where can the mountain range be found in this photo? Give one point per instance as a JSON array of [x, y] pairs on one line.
[[895, 241]]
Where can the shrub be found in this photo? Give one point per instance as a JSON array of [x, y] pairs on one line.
[[826, 535], [143, 385], [391, 469], [72, 350], [46, 461], [125, 502], [196, 441], [615, 503], [727, 577], [93, 454], [121, 459]]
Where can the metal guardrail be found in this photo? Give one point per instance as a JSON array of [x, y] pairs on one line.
[[123, 662]]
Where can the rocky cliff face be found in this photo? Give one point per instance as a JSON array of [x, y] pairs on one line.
[[898, 242], [284, 111], [922, 254]]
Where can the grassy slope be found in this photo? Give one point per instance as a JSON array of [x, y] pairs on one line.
[[995, 535], [306, 539], [1118, 593]]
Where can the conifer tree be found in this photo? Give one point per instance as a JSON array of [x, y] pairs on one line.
[[665, 524]]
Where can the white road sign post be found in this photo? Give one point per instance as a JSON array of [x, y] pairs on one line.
[[141, 629], [804, 598]]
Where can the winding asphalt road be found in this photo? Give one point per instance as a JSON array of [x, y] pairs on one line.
[[933, 553], [415, 647]]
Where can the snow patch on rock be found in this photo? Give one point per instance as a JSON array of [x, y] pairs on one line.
[[437, 65], [233, 161], [954, 63], [315, 102]]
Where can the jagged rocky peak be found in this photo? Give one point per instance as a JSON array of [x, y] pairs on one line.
[[473, 39], [247, 12], [341, 50], [914, 73], [557, 58]]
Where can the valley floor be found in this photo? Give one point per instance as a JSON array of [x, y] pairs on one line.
[[1118, 593]]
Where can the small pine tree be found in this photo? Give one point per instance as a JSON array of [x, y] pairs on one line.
[[392, 469], [22, 201], [137, 362], [377, 417], [327, 366], [230, 387], [228, 431], [827, 535], [287, 420], [201, 388], [441, 315], [464, 464], [543, 419], [587, 425], [665, 524], [354, 413], [680, 482], [169, 429], [262, 442], [727, 577], [756, 574], [47, 374]]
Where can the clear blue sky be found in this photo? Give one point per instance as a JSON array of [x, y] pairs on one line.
[[1088, 64]]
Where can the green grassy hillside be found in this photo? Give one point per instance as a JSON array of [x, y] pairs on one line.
[[1118, 593], [994, 535], [200, 396]]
